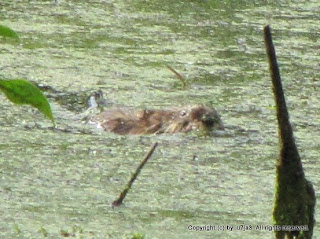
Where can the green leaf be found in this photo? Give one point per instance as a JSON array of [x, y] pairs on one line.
[[8, 32], [23, 92]]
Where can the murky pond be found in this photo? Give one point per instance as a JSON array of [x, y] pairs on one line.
[[61, 182]]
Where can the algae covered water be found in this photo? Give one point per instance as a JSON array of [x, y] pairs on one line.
[[61, 182]]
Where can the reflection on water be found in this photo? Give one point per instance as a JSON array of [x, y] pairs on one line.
[[64, 181]]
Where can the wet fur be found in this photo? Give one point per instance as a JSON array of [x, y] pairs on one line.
[[122, 121]]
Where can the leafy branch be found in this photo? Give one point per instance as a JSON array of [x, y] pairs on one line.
[[20, 91]]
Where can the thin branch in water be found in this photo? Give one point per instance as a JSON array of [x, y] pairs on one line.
[[123, 194], [179, 76]]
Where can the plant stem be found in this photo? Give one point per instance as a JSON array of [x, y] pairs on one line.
[[118, 202]]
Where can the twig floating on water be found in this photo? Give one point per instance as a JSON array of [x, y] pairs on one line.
[[118, 202], [179, 76]]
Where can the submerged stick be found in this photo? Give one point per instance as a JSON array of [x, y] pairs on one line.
[[179, 76], [295, 200], [118, 202]]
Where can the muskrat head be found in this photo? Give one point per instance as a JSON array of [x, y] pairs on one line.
[[207, 116]]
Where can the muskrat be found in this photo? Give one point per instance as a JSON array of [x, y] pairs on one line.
[[121, 121]]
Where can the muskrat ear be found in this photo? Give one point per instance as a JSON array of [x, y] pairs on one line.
[[183, 113]]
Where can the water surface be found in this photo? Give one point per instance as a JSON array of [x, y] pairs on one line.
[[60, 182]]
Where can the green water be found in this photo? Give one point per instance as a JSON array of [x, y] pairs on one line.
[[59, 182]]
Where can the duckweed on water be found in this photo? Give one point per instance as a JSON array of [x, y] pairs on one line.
[[122, 49]]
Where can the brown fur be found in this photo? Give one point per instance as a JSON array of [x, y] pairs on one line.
[[121, 121]]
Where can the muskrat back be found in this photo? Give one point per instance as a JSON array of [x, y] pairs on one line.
[[125, 121]]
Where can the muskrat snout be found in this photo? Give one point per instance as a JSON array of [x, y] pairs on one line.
[[212, 121], [207, 116]]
